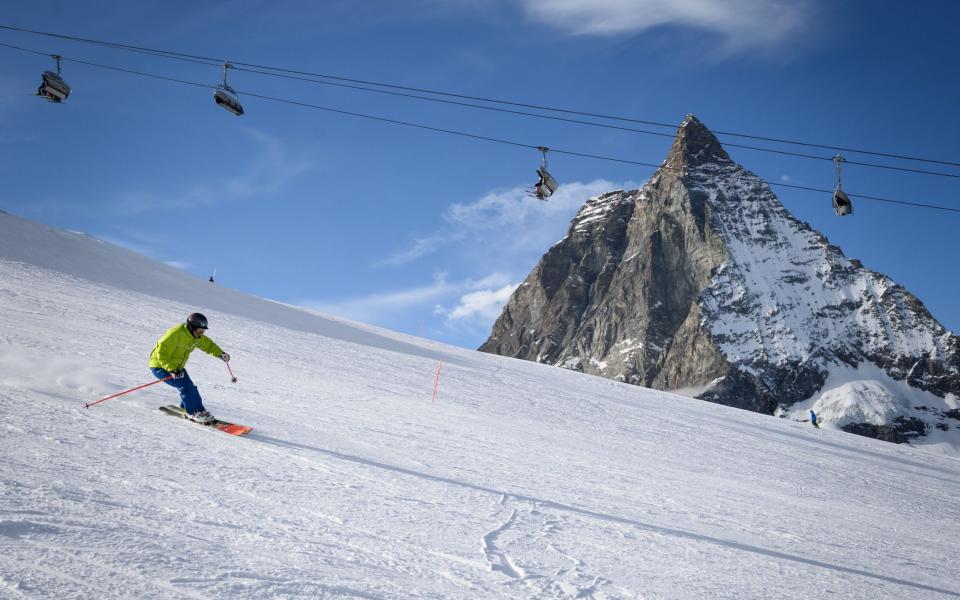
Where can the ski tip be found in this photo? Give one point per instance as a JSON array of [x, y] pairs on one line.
[[234, 429]]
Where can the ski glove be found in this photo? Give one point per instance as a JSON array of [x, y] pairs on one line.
[[225, 357], [178, 373]]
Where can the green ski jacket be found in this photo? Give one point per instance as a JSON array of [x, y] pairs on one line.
[[174, 348]]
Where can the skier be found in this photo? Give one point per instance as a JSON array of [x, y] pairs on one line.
[[169, 357], [813, 419]]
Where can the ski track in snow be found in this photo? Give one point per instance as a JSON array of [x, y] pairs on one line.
[[496, 559], [521, 481]]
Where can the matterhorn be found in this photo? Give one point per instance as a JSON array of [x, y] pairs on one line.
[[703, 283]]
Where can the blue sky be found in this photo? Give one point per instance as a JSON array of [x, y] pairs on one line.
[[427, 233]]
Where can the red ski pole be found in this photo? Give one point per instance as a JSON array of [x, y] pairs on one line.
[[232, 378], [127, 391]]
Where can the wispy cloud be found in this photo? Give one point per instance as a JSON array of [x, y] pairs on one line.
[[494, 240], [503, 227], [492, 243], [740, 24], [485, 305], [421, 247], [265, 176], [471, 299], [378, 307]]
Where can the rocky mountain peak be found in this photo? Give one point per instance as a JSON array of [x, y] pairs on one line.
[[695, 145], [702, 282]]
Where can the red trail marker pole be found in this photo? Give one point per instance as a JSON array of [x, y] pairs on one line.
[[127, 391], [436, 382]]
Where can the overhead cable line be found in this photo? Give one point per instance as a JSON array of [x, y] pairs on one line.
[[237, 64], [25, 49], [449, 131], [588, 123], [259, 71]]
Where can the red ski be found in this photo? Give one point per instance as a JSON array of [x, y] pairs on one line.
[[231, 428]]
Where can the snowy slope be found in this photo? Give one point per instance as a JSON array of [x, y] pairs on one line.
[[520, 481]]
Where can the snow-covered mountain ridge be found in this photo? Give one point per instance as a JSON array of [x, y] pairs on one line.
[[702, 282], [787, 298]]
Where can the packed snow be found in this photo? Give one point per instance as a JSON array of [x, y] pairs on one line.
[[520, 480]]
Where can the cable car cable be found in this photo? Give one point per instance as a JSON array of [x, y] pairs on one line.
[[455, 132], [208, 62], [594, 124], [201, 59]]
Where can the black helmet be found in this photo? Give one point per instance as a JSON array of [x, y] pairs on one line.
[[196, 321]]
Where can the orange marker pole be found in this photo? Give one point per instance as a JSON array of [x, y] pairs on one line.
[[436, 382]]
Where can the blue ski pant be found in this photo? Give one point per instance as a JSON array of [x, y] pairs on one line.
[[190, 400]]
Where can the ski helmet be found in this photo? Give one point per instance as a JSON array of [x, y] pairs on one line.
[[196, 321]]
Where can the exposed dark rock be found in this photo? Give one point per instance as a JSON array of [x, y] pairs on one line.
[[901, 430]]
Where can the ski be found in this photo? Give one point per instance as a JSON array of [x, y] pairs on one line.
[[231, 428]]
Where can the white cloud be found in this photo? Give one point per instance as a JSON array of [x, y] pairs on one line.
[[740, 23], [477, 301], [421, 247], [497, 238], [483, 304], [374, 308], [505, 227], [501, 234]]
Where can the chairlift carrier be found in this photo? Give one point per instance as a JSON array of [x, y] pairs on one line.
[[841, 202], [547, 185], [53, 88], [225, 96]]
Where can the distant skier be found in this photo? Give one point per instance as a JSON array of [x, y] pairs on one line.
[[169, 357], [813, 419]]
